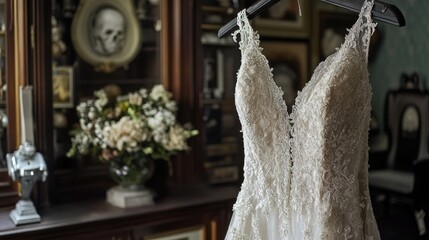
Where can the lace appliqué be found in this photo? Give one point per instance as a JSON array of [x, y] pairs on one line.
[[264, 195], [235, 235], [329, 142], [362, 30]]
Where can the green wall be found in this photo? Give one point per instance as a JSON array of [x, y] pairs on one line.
[[403, 49]]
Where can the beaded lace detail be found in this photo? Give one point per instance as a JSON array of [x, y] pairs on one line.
[[305, 175], [266, 130]]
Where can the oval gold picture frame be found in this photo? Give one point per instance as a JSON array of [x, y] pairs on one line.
[[82, 34]]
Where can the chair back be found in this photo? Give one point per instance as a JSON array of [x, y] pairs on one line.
[[407, 121]]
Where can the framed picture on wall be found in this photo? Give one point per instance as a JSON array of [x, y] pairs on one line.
[[290, 63], [283, 20], [106, 33], [197, 233], [63, 87], [330, 31]]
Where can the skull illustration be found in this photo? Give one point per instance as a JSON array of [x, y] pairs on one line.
[[109, 31]]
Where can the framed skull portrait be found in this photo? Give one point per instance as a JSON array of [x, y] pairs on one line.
[[100, 31]]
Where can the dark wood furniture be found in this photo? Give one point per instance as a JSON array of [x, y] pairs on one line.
[[209, 208], [218, 62], [72, 202]]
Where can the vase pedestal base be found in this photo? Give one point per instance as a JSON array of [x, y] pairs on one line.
[[24, 213], [126, 198]]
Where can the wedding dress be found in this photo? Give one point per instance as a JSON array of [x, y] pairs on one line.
[[305, 175]]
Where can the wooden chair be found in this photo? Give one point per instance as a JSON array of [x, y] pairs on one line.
[[407, 123]]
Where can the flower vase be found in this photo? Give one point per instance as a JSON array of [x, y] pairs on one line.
[[130, 172]]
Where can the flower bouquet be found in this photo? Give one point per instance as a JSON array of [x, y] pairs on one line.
[[130, 132]]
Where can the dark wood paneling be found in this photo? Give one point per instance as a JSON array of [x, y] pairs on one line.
[[42, 83], [17, 30], [187, 168]]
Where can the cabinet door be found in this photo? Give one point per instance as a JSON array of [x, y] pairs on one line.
[[13, 62], [191, 233], [219, 60], [105, 235], [200, 225], [79, 72]]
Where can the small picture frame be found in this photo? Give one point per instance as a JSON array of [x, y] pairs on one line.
[[283, 20], [106, 33], [63, 87], [194, 233], [290, 63], [331, 31]]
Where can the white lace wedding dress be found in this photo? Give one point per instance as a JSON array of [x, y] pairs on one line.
[[305, 176]]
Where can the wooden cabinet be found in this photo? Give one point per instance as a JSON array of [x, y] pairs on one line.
[[73, 178], [174, 56], [219, 60], [72, 202]]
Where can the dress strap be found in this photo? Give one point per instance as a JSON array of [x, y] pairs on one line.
[[248, 38], [361, 32], [368, 26]]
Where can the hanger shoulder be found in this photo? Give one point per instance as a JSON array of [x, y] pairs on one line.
[[251, 12], [381, 11], [388, 13]]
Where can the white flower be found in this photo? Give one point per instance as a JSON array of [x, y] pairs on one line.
[[159, 93], [160, 137], [156, 122], [176, 139], [143, 92], [148, 109], [125, 134], [153, 122], [135, 99], [91, 115], [169, 118], [81, 108], [171, 105], [102, 99], [100, 94]]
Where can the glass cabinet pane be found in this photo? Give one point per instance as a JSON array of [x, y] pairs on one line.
[[110, 45]]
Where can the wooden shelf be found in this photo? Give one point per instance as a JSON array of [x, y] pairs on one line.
[[81, 219], [218, 9], [217, 101], [221, 163], [210, 26], [221, 149], [115, 81], [220, 45]]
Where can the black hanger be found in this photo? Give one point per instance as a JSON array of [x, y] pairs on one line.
[[381, 11]]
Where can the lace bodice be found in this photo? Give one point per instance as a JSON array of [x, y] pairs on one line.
[[330, 142], [266, 129], [305, 176]]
